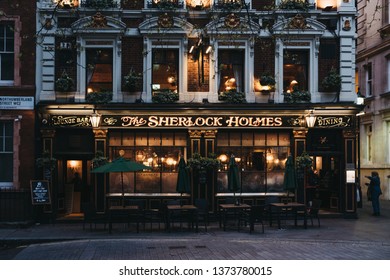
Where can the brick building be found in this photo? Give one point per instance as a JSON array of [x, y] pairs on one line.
[[184, 78], [17, 91]]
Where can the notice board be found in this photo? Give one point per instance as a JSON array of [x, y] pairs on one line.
[[40, 192]]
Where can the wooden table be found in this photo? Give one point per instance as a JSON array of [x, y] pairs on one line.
[[226, 209], [124, 214], [287, 208], [187, 210]]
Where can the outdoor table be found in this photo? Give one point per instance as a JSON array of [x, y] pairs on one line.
[[286, 208], [226, 209], [123, 214], [187, 210]]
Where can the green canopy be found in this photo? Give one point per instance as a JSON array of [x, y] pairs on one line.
[[120, 165]]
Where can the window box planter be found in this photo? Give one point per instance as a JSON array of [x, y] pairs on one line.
[[165, 96]]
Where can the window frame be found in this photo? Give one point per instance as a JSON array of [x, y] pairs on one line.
[[16, 81], [11, 163], [369, 79]]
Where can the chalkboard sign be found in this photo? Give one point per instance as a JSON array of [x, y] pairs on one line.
[[40, 192]]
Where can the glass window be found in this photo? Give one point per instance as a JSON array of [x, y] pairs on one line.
[[386, 12], [165, 69], [388, 75], [368, 69], [99, 69], [295, 70], [6, 152], [6, 52], [231, 67]]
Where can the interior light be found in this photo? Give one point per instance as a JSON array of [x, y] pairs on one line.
[[192, 49], [208, 50]]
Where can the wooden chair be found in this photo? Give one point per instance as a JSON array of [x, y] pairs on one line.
[[251, 217], [92, 217], [203, 211]]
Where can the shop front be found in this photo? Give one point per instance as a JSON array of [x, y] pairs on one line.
[[259, 138]]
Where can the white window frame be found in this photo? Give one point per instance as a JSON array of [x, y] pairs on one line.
[[368, 152], [388, 75], [93, 43], [157, 43], [369, 79]]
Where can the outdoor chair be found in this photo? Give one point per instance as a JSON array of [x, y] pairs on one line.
[[92, 217], [154, 215], [203, 211], [251, 217], [313, 211]]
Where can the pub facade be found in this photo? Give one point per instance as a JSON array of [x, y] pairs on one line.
[[206, 78]]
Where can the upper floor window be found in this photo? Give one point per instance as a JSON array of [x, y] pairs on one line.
[[168, 4], [386, 12], [165, 69], [295, 70], [388, 75], [67, 3], [99, 69], [368, 73], [7, 64], [231, 67], [6, 153]]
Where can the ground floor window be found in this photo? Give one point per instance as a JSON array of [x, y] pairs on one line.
[[261, 157], [6, 153]]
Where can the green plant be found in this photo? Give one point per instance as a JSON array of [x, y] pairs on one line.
[[99, 97], [232, 96], [133, 80], [168, 5], [46, 161], [99, 4], [201, 163], [303, 161], [267, 80], [64, 83], [293, 5], [297, 96], [98, 160], [332, 82], [165, 96]]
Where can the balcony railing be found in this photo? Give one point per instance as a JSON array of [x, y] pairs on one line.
[[99, 4]]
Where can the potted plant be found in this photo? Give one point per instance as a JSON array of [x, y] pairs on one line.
[[198, 162], [47, 163], [99, 97], [294, 5], [99, 160], [133, 80], [232, 96], [303, 161], [165, 96], [297, 96], [64, 83], [332, 82], [267, 80]]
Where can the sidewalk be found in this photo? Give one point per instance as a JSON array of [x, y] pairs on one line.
[[364, 238]]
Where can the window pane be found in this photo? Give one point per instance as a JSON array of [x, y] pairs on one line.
[[7, 66], [99, 70], [295, 70], [6, 167], [165, 69], [231, 66]]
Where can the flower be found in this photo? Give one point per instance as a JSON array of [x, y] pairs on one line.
[[297, 96], [232, 96], [267, 80]]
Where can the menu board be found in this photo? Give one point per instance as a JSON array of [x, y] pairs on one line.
[[40, 192]]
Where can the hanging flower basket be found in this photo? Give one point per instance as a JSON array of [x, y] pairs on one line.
[[64, 83]]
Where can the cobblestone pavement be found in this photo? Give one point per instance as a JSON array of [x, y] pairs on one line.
[[365, 238]]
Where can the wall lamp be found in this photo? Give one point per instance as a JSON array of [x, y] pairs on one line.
[[310, 119], [95, 119]]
